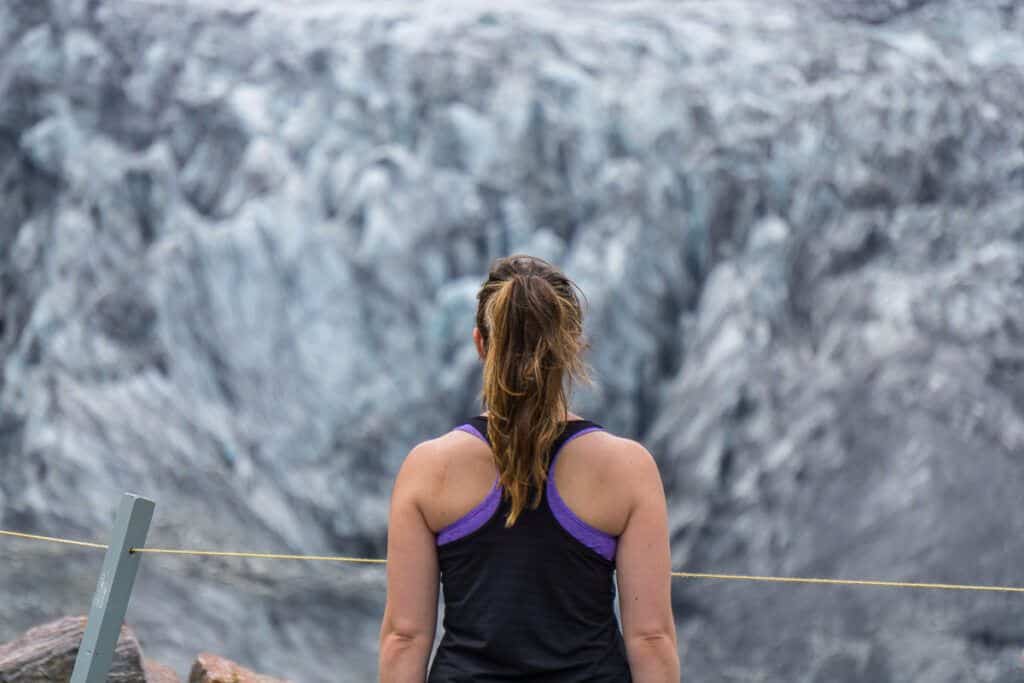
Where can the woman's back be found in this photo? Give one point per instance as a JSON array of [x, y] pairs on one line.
[[533, 601], [525, 516]]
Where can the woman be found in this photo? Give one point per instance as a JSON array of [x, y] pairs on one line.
[[528, 513]]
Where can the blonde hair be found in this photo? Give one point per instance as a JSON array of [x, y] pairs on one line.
[[531, 322]]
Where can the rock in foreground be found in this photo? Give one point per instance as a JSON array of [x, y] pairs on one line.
[[158, 673], [46, 653], [213, 669]]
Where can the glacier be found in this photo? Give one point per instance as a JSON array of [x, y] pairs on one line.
[[240, 245]]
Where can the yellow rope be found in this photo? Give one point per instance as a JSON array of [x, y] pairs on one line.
[[850, 582], [263, 556], [33, 537], [685, 575]]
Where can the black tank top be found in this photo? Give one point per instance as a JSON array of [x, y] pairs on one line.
[[533, 602]]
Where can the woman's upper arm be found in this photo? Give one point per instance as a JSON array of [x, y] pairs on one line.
[[643, 560], [412, 570]]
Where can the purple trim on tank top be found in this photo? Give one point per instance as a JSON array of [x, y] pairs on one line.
[[595, 539], [478, 516], [474, 519], [470, 429]]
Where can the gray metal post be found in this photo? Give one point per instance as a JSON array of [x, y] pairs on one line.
[[113, 590]]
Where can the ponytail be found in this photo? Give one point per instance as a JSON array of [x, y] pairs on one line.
[[530, 319]]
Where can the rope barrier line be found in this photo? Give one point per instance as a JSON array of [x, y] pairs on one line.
[[262, 556], [67, 541], [684, 575], [851, 582]]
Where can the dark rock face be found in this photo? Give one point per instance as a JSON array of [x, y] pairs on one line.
[[239, 248], [875, 11], [47, 653]]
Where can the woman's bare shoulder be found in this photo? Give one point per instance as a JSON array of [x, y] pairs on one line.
[[433, 457], [619, 459], [618, 451]]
